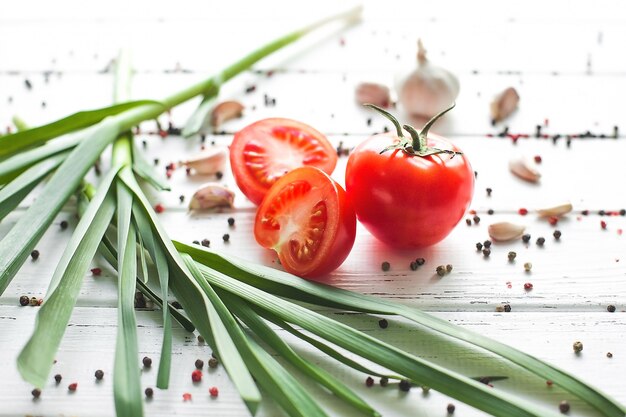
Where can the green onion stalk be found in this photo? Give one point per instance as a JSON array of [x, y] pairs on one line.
[[230, 302]]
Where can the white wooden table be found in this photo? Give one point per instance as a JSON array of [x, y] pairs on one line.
[[566, 60]]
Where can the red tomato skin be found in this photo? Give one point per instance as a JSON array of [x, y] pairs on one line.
[[251, 187], [408, 201], [339, 235]]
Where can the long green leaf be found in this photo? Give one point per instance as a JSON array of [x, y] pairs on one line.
[[290, 286], [146, 171], [254, 322], [201, 116], [270, 375], [13, 193], [439, 378], [35, 360], [126, 380], [15, 142], [24, 235], [188, 292]]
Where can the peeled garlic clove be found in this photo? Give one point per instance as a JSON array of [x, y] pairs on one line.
[[505, 231], [207, 162], [524, 169], [373, 93], [503, 105], [224, 111], [211, 196], [559, 210], [429, 89]]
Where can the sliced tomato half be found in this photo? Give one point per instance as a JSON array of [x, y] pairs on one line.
[[306, 218], [266, 150]]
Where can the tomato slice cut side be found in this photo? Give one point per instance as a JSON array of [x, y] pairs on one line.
[[264, 151], [307, 220]]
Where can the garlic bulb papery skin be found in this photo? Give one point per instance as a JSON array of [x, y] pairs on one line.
[[429, 89], [211, 196], [207, 162]]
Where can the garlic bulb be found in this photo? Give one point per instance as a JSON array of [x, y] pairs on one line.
[[211, 196], [429, 89], [207, 162]]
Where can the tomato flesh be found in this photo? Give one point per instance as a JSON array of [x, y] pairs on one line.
[[404, 200], [308, 221], [264, 151]]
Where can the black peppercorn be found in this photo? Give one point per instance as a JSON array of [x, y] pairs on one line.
[[231, 221], [199, 364], [541, 241], [490, 212], [58, 378], [420, 261], [149, 392], [413, 265], [147, 362], [385, 266], [512, 255], [468, 222], [384, 381], [36, 393], [34, 254], [405, 385], [441, 270], [219, 175], [206, 243], [448, 268], [181, 198], [479, 246], [487, 244], [450, 408], [383, 323], [557, 234], [507, 308], [489, 190], [226, 237], [486, 252], [63, 224], [24, 300], [213, 363], [476, 219], [564, 406], [99, 374], [610, 308], [526, 238]]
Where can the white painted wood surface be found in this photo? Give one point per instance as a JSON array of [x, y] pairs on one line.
[[566, 60]]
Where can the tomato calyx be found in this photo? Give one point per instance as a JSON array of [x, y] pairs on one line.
[[417, 145]]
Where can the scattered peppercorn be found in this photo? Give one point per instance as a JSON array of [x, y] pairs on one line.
[[385, 266], [214, 392], [159, 208], [512, 255], [149, 392], [177, 305], [479, 246], [489, 190], [609, 355], [603, 224], [213, 363], [441, 270], [523, 211], [468, 222], [147, 362], [557, 234], [528, 266], [34, 254], [181, 198], [219, 175], [553, 220], [58, 378], [199, 364], [96, 271], [526, 238], [487, 243], [72, 387], [186, 396], [420, 261], [196, 242], [63, 224], [578, 346], [405, 385], [206, 243], [486, 252], [564, 406], [196, 375], [99, 374], [413, 265], [448, 268], [507, 308], [36, 393], [450, 408], [602, 213], [499, 309], [369, 381], [231, 221], [24, 300], [383, 323], [384, 381], [33, 301], [200, 339], [476, 219], [541, 241], [226, 237], [610, 308], [528, 286]]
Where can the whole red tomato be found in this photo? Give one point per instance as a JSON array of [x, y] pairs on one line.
[[409, 192], [307, 219]]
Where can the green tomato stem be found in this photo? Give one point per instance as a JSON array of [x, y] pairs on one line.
[[389, 116]]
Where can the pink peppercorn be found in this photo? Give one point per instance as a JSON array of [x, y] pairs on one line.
[[214, 392], [196, 375]]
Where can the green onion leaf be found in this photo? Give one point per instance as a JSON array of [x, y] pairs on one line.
[[201, 116], [146, 171]]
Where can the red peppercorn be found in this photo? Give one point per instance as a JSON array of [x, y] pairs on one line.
[[528, 286], [549, 382], [523, 211], [72, 387], [96, 271], [159, 208], [196, 376], [214, 392], [603, 224], [186, 396], [538, 159], [369, 381], [553, 220]]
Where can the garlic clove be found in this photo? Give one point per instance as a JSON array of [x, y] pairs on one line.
[[503, 105], [373, 93], [207, 162], [557, 210], [523, 168], [212, 195], [429, 89], [225, 111], [505, 231]]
